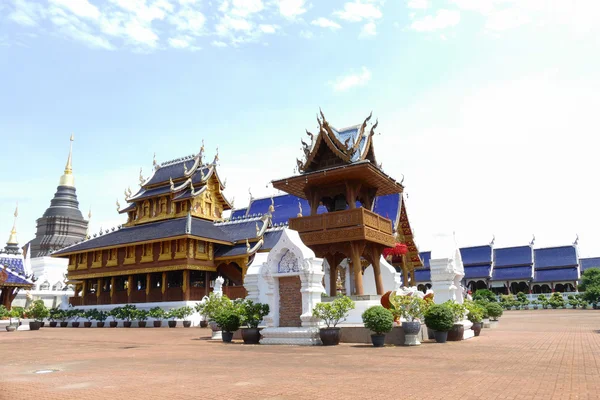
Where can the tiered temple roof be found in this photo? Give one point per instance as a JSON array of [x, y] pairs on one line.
[[513, 263], [477, 261], [556, 264]]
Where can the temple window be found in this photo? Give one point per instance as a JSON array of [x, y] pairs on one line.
[[147, 252], [165, 251], [201, 246], [106, 285], [156, 280], [120, 283], [197, 279], [139, 282], [209, 209], [174, 279]]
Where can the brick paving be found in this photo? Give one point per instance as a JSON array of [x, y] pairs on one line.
[[544, 354]]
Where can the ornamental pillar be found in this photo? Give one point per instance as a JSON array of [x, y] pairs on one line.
[[98, 287], [186, 283], [163, 287], [112, 288], [147, 285], [377, 274], [129, 285], [357, 269]]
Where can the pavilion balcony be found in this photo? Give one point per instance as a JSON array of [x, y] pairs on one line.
[[346, 225]]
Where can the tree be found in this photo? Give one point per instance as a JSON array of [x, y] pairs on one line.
[[589, 279]]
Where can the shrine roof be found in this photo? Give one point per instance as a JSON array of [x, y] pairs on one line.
[[553, 257], [15, 273], [512, 273], [556, 275], [476, 255], [14, 263], [271, 238], [389, 207], [478, 271], [171, 170], [150, 232], [591, 262], [425, 257], [222, 251], [247, 228], [423, 275], [512, 256]]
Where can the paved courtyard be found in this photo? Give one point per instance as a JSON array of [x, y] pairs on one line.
[[544, 354]]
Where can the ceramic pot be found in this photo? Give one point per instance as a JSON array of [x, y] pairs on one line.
[[87, 324], [203, 324], [75, 324], [227, 337], [53, 324], [441, 337], [42, 324], [430, 334], [10, 328], [456, 333], [64, 324], [411, 331], [157, 324], [251, 335], [187, 324], [99, 324], [486, 322], [141, 324], [330, 336], [172, 324], [477, 328], [378, 340], [126, 324], [113, 324], [493, 324], [35, 326]]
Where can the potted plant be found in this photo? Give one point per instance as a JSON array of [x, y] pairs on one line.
[[18, 313], [74, 314], [4, 313], [535, 304], [210, 307], [485, 321], [62, 316], [543, 301], [53, 315], [380, 321], [11, 327], [100, 316], [458, 311], [184, 313], [440, 318], [556, 300], [115, 313], [332, 313], [411, 309], [495, 312], [229, 321], [172, 314], [128, 312], [88, 315], [158, 314], [141, 316], [251, 315], [475, 315], [522, 300], [38, 312], [573, 301]]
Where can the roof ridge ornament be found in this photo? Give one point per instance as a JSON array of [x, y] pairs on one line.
[[142, 179], [532, 240], [118, 205], [216, 159], [272, 206], [299, 210], [493, 240], [576, 242], [188, 223], [154, 163]]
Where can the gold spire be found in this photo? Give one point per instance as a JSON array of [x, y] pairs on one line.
[[67, 178], [13, 232]]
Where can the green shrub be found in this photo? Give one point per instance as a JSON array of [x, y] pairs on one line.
[[54, 314], [334, 312], [4, 313], [494, 311], [458, 310], [115, 313], [157, 313], [75, 314], [522, 299], [556, 300], [185, 312], [90, 314], [253, 313], [17, 312], [228, 320], [100, 315], [410, 307], [476, 311], [128, 311], [378, 319], [484, 294], [141, 315], [440, 317], [38, 311], [213, 305]]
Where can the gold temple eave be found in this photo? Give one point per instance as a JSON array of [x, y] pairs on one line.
[[144, 271], [19, 285], [123, 245]]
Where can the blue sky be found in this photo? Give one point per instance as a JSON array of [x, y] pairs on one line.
[[488, 107]]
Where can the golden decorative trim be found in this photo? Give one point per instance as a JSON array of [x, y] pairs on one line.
[[186, 275], [111, 263], [166, 256], [145, 259], [19, 285], [163, 287], [146, 271], [99, 287], [147, 284], [129, 284], [83, 288]]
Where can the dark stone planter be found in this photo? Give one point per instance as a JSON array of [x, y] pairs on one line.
[[411, 328], [53, 324], [172, 324], [187, 324], [126, 324], [227, 337], [378, 340], [330, 336], [203, 324], [430, 334], [10, 328], [456, 333], [64, 324], [75, 324], [535, 307], [141, 324], [35, 326], [113, 324], [42, 324], [87, 324], [440, 337], [477, 328], [157, 324], [251, 335], [99, 324]]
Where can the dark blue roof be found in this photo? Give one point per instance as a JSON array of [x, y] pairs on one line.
[[271, 239], [552, 257], [239, 213], [422, 275], [478, 271], [389, 207], [512, 273], [425, 257], [593, 262], [476, 255], [15, 264], [245, 229], [509, 256], [152, 231], [144, 194], [230, 251], [556, 275], [173, 171]]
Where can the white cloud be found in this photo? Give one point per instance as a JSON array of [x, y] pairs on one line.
[[189, 20], [292, 8], [368, 29], [326, 23], [71, 26], [183, 42], [441, 20], [506, 19], [27, 14], [81, 8], [307, 34], [241, 8], [359, 10], [418, 4], [346, 82], [268, 28], [229, 24], [218, 43], [140, 33]]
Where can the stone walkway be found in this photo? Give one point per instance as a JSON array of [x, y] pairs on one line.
[[544, 354]]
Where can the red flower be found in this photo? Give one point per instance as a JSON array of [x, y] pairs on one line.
[[398, 250]]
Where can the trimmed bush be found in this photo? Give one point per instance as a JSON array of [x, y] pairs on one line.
[[494, 311], [378, 319], [440, 318]]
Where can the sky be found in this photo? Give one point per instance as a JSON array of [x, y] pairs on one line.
[[488, 108]]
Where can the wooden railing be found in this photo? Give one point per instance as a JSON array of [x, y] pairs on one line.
[[138, 296], [342, 219], [90, 299], [75, 301], [234, 292]]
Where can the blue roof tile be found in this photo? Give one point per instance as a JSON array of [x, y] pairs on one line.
[[425, 257], [478, 271], [552, 257], [389, 207], [512, 273], [16, 264], [522, 255], [271, 239], [556, 275], [173, 171], [586, 263], [422, 275], [239, 213], [476, 255]]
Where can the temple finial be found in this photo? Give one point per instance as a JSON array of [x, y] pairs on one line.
[[272, 206], [118, 205], [12, 240], [67, 178], [299, 210]]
